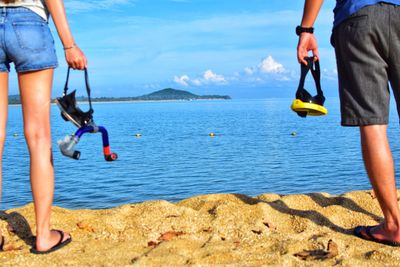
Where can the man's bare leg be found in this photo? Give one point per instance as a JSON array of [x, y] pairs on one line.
[[380, 167]]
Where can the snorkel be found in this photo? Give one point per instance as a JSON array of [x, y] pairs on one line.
[[83, 120], [305, 104]]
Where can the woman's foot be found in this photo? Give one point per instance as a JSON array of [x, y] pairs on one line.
[[56, 240]]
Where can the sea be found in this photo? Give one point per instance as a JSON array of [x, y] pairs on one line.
[[179, 149]]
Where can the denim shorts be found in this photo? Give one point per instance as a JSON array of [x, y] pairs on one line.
[[367, 47], [25, 40]]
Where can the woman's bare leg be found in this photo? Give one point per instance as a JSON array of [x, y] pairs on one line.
[[35, 89], [3, 120]]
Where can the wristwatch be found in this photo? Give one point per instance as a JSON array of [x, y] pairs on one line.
[[300, 30]]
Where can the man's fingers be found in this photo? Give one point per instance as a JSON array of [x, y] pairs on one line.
[[301, 55], [307, 43], [315, 54]]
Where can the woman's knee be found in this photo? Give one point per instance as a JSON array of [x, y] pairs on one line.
[[37, 134], [2, 137]]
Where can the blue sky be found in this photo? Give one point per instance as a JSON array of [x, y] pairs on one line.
[[242, 48]]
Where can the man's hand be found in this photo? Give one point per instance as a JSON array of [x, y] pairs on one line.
[[307, 42]]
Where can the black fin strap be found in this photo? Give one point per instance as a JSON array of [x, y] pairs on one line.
[[66, 83], [86, 83], [316, 73], [88, 89], [304, 70]]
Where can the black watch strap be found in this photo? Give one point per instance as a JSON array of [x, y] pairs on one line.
[[300, 30]]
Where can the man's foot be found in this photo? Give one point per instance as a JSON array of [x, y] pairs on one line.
[[379, 234], [57, 240], [2, 241]]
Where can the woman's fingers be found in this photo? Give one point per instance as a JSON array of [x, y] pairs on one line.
[[76, 59]]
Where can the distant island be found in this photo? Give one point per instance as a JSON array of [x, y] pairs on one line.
[[161, 95]]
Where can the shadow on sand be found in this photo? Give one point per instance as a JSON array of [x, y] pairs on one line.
[[313, 215], [19, 226]]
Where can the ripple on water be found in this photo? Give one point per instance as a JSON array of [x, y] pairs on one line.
[[252, 152]]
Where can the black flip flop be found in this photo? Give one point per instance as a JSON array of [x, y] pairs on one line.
[[57, 246], [364, 232]]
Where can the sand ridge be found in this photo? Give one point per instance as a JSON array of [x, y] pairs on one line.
[[209, 230]]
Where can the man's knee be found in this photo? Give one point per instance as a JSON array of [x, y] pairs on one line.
[[373, 129]]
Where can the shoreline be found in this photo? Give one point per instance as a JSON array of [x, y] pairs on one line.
[[137, 101], [150, 101], [209, 230]]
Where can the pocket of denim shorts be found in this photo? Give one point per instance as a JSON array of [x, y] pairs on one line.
[[31, 35]]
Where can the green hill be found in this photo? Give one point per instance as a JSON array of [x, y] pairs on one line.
[[173, 94], [169, 94]]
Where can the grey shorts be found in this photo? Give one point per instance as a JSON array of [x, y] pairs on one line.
[[367, 47]]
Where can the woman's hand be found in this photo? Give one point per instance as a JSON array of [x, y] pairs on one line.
[[307, 42], [75, 58]]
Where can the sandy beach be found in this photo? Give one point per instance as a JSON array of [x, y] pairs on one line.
[[209, 230]]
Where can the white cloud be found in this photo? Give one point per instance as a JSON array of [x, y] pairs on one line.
[[182, 80], [210, 76], [196, 82], [330, 74], [249, 71], [75, 6], [269, 65], [268, 69]]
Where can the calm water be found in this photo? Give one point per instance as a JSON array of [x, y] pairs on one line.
[[253, 152]]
